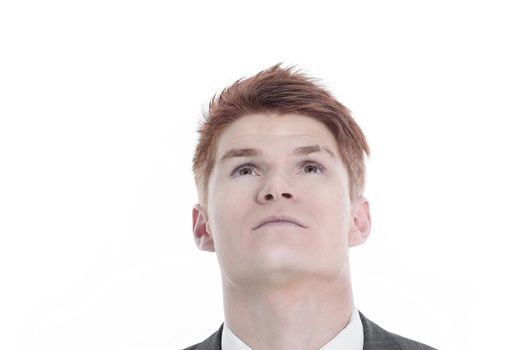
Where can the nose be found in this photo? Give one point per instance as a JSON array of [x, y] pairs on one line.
[[275, 189]]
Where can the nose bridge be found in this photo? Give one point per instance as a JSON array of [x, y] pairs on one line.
[[277, 185]]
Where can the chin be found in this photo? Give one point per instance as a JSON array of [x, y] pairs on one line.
[[284, 262]]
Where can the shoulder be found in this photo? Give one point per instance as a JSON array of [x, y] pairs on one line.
[[376, 338], [409, 344], [213, 342]]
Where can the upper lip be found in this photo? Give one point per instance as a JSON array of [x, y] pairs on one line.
[[276, 218]]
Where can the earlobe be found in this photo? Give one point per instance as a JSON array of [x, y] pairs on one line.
[[201, 231], [361, 222]]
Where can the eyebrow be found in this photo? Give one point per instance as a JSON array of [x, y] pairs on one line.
[[253, 152]]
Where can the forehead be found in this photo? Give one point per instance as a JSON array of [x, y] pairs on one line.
[[272, 133]]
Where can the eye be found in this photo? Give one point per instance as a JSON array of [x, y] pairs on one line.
[[243, 169], [313, 168]]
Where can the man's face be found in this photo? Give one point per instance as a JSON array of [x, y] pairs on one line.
[[293, 169]]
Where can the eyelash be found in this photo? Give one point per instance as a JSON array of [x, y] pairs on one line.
[[305, 163]]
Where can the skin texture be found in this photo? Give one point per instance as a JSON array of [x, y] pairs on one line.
[[285, 286]]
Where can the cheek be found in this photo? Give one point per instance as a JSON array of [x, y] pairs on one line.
[[331, 209], [228, 211]]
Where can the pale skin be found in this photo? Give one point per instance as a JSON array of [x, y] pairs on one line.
[[285, 286]]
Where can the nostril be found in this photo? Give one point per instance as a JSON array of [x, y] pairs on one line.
[[269, 196]]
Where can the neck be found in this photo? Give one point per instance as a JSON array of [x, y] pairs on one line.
[[300, 315]]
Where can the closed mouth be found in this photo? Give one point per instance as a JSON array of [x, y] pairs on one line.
[[279, 219]]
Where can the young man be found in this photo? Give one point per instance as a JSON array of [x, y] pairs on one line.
[[280, 174]]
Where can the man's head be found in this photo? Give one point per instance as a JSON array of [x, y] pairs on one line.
[[279, 147], [280, 90]]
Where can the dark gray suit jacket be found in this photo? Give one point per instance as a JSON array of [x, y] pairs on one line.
[[376, 338]]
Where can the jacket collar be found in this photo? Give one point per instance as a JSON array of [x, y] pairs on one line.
[[376, 338]]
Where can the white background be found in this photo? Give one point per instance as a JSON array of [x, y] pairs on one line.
[[99, 104]]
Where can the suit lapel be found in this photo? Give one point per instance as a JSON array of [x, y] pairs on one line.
[[376, 338], [213, 342]]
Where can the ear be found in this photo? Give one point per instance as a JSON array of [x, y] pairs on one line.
[[361, 223], [201, 230]]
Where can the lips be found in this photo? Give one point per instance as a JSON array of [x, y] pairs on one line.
[[279, 218]]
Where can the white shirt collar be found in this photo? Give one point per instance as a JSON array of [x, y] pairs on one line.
[[349, 338]]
